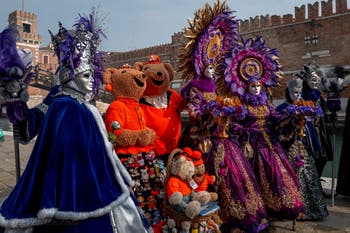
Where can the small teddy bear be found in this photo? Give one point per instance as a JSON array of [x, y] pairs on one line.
[[201, 177], [185, 227], [180, 186]]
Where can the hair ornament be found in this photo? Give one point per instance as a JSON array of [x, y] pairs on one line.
[[211, 33], [251, 59], [79, 45]]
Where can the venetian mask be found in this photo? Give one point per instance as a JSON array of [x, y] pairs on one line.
[[295, 93], [209, 72], [314, 81], [254, 88]]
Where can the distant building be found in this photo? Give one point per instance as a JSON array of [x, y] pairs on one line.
[[26, 24], [316, 32]]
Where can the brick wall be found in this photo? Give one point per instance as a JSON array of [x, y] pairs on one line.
[[287, 33]]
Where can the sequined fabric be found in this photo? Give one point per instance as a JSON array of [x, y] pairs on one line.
[[277, 180]]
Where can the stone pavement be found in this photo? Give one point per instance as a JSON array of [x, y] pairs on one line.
[[337, 221]]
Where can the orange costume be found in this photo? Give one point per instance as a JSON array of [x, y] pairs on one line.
[[206, 180], [166, 122], [128, 113], [176, 184]]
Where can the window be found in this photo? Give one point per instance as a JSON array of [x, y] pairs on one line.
[[311, 39], [46, 59], [26, 27]]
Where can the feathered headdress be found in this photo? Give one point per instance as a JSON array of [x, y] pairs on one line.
[[308, 71], [251, 59], [15, 73], [71, 46], [211, 33], [14, 63]]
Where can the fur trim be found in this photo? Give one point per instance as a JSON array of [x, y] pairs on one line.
[[46, 215]]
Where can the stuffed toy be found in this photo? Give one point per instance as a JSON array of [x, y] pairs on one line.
[[180, 186], [170, 226], [201, 177], [127, 86], [162, 105], [214, 223], [132, 139], [185, 226]]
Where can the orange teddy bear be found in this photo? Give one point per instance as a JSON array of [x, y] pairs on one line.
[[132, 139], [162, 105], [180, 185], [125, 120], [201, 177]]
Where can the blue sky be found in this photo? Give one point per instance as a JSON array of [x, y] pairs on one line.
[[134, 24]]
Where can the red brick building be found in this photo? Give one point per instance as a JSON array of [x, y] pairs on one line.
[[316, 32]]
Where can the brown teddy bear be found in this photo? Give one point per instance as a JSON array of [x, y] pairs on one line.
[[124, 117], [201, 177], [180, 185], [161, 105], [132, 139]]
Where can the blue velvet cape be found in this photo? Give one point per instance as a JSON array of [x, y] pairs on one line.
[[70, 175]]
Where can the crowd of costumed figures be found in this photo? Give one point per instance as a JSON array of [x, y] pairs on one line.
[[239, 163]]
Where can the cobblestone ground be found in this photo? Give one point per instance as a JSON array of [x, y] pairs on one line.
[[337, 221]]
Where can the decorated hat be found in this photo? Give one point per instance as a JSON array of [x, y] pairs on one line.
[[197, 158], [15, 64], [78, 46], [153, 59], [251, 59], [308, 71], [294, 83], [211, 33]]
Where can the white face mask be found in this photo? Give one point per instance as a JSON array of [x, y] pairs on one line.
[[254, 88], [85, 81], [314, 81], [209, 72], [295, 94]]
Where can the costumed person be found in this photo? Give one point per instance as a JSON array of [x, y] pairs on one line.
[[343, 170], [250, 69], [335, 81], [318, 138], [211, 34], [73, 181], [295, 112], [162, 105], [132, 138]]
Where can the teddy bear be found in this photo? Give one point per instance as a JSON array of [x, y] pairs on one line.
[[162, 105], [214, 223], [180, 185], [201, 177], [125, 120], [132, 139], [170, 226], [185, 227]]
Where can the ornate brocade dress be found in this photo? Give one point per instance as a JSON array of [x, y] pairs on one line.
[[241, 204], [293, 140], [278, 182]]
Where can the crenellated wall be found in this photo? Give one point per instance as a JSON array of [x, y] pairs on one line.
[[118, 59], [315, 32], [302, 13]]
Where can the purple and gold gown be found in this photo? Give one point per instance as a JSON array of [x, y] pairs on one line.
[[278, 182], [293, 139], [242, 206]]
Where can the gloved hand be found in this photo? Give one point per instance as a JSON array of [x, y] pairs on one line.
[[12, 90]]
